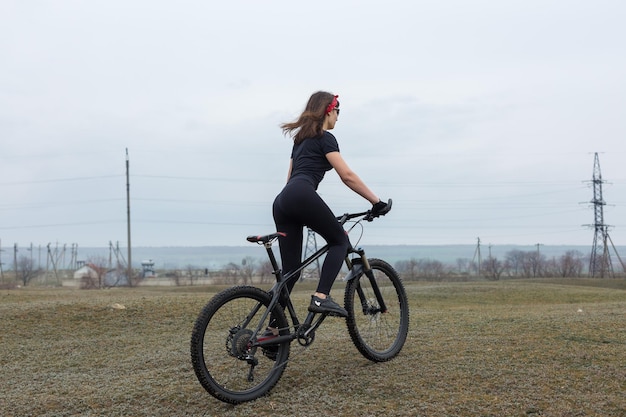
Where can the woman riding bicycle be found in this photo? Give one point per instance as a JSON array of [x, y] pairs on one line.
[[315, 151]]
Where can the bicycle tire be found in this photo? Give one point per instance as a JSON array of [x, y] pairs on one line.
[[379, 336], [219, 346]]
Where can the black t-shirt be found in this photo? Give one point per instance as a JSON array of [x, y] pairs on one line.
[[309, 158]]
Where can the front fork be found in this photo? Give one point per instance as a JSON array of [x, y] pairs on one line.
[[369, 273]]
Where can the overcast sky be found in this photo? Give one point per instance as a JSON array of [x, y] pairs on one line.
[[479, 118]]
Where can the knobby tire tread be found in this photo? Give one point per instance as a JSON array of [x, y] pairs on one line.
[[197, 340], [352, 305]]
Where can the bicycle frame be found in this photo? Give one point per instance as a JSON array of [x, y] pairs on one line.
[[279, 289]]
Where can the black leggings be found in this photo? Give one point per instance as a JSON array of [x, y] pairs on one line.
[[299, 205]]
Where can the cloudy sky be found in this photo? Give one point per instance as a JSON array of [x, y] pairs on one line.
[[479, 118]]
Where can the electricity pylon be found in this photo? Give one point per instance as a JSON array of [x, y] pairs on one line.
[[310, 249], [600, 261]]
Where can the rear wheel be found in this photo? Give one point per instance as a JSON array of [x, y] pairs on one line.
[[378, 335], [223, 358]]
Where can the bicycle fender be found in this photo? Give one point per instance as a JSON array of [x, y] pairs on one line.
[[356, 271]]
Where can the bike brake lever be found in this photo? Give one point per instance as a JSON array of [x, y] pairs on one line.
[[371, 216]]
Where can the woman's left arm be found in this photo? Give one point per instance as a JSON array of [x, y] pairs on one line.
[[350, 178]]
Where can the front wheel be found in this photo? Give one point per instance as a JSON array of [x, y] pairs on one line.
[[379, 335], [226, 362]]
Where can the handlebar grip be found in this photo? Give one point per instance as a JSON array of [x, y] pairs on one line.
[[371, 215], [388, 208]]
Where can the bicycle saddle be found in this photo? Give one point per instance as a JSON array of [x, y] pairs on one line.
[[265, 238]]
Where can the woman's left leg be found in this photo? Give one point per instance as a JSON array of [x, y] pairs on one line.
[[326, 225]]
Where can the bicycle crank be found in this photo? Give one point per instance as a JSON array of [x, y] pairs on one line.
[[306, 340]]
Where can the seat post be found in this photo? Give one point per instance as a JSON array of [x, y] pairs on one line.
[[270, 254]]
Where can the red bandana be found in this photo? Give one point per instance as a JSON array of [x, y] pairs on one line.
[[332, 105]]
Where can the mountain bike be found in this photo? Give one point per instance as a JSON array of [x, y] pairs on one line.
[[237, 359]]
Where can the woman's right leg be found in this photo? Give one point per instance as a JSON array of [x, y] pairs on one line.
[[290, 245], [290, 249]]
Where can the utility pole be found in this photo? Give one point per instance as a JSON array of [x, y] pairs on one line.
[[477, 255], [1, 271], [537, 268], [129, 267], [54, 260], [15, 260]]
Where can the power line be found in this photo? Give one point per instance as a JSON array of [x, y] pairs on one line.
[[52, 180]]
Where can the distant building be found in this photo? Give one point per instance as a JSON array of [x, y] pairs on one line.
[[85, 272], [147, 268]]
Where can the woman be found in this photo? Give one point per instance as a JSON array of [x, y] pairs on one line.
[[315, 151]]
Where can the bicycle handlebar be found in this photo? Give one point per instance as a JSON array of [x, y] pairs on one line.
[[367, 215]]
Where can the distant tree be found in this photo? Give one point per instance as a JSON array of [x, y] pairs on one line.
[[100, 266], [191, 270], [550, 268], [430, 268], [462, 265], [492, 268], [408, 269], [247, 269], [25, 269], [524, 264], [534, 262], [175, 276], [514, 262], [420, 268], [266, 271], [232, 271], [571, 264]]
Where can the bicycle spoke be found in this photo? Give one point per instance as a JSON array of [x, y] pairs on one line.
[[225, 363], [378, 335]]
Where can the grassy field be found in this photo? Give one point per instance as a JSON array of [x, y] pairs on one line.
[[510, 348]]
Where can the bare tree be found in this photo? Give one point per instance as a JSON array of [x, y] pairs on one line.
[[431, 268], [524, 264], [99, 265], [191, 270], [571, 264], [266, 271], [534, 262], [175, 276], [493, 268], [409, 269], [462, 265], [514, 262], [232, 271], [25, 269], [247, 269], [550, 268]]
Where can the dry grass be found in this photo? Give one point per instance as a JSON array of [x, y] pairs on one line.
[[519, 348]]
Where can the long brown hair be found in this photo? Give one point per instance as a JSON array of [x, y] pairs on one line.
[[311, 122]]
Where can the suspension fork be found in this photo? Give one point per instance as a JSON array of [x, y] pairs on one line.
[[369, 273]]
